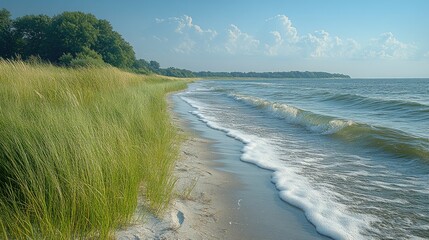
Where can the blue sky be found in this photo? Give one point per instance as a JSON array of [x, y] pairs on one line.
[[376, 38]]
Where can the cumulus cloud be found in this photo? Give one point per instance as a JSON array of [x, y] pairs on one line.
[[190, 37], [282, 37], [289, 31], [387, 46], [322, 44], [347, 48], [240, 42], [285, 40], [185, 24], [279, 38], [275, 48]]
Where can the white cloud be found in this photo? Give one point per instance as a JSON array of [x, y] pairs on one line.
[[347, 48], [275, 48], [282, 37], [279, 38], [286, 27], [387, 46], [426, 54], [240, 42], [185, 24], [322, 44], [187, 36], [285, 40]]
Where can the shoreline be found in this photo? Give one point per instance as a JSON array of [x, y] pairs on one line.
[[219, 196]]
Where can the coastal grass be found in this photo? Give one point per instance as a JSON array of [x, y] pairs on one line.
[[77, 147]]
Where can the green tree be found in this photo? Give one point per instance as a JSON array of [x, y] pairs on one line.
[[7, 40], [72, 32], [33, 34], [141, 66], [154, 65], [112, 47], [140, 63], [66, 37]]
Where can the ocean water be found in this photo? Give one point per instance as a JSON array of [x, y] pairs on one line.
[[353, 154]]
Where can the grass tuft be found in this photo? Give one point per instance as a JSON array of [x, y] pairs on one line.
[[186, 193], [76, 145]]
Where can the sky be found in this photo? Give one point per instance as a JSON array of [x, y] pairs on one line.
[[361, 38]]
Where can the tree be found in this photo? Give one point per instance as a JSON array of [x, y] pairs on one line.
[[140, 63], [33, 34], [7, 40], [154, 65], [141, 66], [72, 32], [112, 47], [64, 37]]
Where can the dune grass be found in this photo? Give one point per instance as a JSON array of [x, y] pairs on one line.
[[77, 146]]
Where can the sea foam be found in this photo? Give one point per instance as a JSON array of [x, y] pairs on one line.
[[330, 217]]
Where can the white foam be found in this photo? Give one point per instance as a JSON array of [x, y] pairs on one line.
[[330, 217]]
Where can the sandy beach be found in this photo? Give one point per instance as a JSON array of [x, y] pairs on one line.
[[200, 210], [217, 195]]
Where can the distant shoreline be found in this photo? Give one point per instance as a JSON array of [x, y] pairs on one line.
[[259, 78], [176, 72], [281, 79]]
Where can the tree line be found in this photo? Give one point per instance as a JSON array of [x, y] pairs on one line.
[[153, 67]]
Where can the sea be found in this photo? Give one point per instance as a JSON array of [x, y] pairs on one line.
[[352, 154]]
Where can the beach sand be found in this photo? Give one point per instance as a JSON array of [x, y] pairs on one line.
[[218, 196], [200, 210]]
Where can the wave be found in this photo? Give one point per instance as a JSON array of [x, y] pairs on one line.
[[330, 217], [378, 104], [393, 141]]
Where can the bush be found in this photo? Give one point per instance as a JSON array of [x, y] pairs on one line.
[[86, 58], [65, 59], [86, 61]]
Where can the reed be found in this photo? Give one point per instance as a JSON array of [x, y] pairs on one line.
[[77, 146]]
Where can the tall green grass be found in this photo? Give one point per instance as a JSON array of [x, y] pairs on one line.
[[77, 146]]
